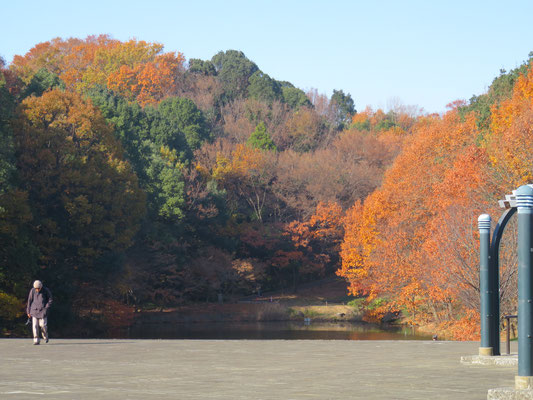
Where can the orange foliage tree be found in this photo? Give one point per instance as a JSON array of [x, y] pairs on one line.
[[136, 69], [511, 130], [319, 237], [413, 244], [313, 246], [150, 82], [383, 253], [246, 175]]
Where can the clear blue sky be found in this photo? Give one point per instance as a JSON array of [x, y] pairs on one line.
[[426, 53]]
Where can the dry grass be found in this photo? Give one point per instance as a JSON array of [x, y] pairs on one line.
[[333, 312], [271, 312], [320, 301]]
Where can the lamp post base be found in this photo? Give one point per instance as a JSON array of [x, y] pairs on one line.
[[523, 382], [485, 351]]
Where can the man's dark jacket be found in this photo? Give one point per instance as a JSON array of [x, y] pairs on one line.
[[39, 302]]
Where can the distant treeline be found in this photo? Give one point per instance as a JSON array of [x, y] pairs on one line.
[[131, 176]]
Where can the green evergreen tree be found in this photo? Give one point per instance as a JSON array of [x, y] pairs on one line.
[[178, 124], [263, 87], [260, 139], [343, 108], [233, 70], [295, 98], [41, 82], [197, 66], [131, 128]]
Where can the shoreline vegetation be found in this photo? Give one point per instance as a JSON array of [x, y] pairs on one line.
[[258, 311], [321, 302], [325, 300]]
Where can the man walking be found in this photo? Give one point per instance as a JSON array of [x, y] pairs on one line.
[[39, 302]]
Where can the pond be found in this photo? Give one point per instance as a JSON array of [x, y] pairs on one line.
[[270, 330]]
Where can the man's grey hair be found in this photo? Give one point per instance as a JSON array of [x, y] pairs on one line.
[[37, 284]]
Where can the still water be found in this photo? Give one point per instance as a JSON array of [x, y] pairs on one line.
[[271, 330]]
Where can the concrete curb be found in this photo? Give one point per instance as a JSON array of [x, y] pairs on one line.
[[510, 394], [502, 361]]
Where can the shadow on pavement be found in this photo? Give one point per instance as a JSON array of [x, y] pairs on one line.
[[84, 343]]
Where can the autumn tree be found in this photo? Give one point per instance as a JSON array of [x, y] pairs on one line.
[[510, 129], [48, 55], [242, 116], [361, 120], [247, 175], [85, 198], [346, 171], [109, 128], [7, 106], [320, 236], [305, 130], [205, 207], [18, 255], [206, 92], [500, 90], [136, 69], [393, 226]]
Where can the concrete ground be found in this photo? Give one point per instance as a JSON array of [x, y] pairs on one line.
[[244, 369]]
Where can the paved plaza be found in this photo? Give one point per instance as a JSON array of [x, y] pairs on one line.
[[244, 369]]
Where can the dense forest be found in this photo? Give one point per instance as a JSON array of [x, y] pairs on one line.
[[130, 176]]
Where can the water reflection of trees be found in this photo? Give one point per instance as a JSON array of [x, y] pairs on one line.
[[293, 330]]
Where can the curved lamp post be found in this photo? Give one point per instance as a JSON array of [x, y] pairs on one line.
[[489, 277], [521, 202]]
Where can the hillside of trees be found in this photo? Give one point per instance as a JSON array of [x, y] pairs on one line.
[[413, 244], [130, 176]]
